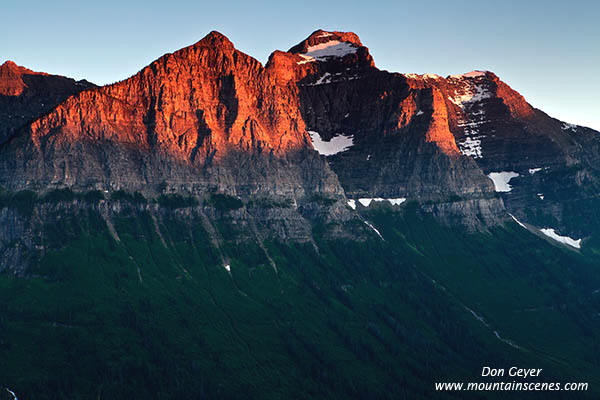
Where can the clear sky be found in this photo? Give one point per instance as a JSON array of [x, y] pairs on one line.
[[548, 50]]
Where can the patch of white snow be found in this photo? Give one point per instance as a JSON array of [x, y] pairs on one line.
[[472, 74], [322, 51], [472, 94], [424, 76], [551, 233], [374, 229], [337, 144], [352, 204], [366, 201], [501, 180], [323, 79], [471, 146], [397, 202], [517, 221], [534, 170]]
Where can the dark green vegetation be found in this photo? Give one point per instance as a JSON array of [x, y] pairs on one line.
[[174, 201], [224, 202], [149, 316]]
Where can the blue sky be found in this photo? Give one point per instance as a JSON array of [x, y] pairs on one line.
[[549, 51]]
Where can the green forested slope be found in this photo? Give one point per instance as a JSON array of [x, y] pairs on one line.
[[146, 316]]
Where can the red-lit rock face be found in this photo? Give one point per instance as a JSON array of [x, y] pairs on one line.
[[25, 95], [438, 131], [11, 79], [198, 101], [209, 98]]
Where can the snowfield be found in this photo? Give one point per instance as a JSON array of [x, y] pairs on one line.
[[336, 145], [471, 146], [366, 201], [551, 233], [501, 180], [321, 51]]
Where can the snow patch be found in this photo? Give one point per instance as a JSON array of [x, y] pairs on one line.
[[374, 229], [336, 145], [568, 127], [472, 94], [322, 51], [397, 202], [534, 170], [471, 146], [541, 196], [501, 180], [352, 204], [424, 76], [14, 396], [366, 201], [551, 233], [332, 78], [420, 112], [470, 90], [472, 74], [517, 221], [323, 79], [227, 267]]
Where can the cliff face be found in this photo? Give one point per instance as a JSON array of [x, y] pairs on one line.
[[195, 119], [194, 104], [25, 95], [209, 118], [555, 164], [205, 119], [402, 143]]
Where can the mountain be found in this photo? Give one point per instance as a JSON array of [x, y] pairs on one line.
[[311, 227], [25, 95]]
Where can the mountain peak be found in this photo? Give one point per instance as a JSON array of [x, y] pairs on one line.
[[12, 67], [215, 40], [11, 78], [320, 38], [9, 64], [327, 46]]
